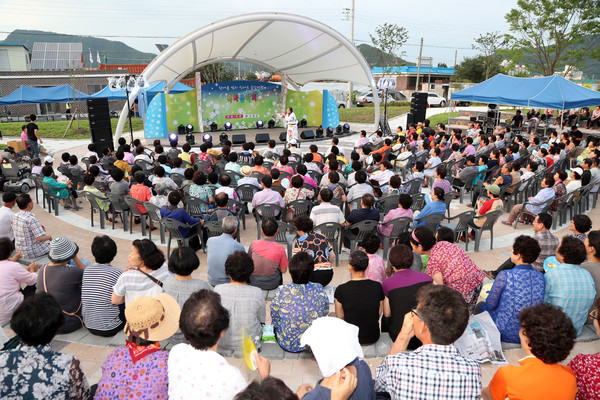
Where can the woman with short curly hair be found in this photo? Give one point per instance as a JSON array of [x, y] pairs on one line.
[[547, 337]]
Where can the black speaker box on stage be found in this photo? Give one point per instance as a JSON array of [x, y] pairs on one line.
[[283, 136], [238, 139], [100, 127], [262, 138], [309, 135]]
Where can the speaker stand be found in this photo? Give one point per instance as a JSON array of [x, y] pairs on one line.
[[384, 126]]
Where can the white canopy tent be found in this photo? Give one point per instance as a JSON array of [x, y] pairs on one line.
[[304, 49]]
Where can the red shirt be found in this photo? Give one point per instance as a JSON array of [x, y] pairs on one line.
[[141, 192]]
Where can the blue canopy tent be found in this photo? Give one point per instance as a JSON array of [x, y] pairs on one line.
[[151, 91], [550, 92], [33, 95]]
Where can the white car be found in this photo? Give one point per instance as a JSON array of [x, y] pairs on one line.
[[435, 100]]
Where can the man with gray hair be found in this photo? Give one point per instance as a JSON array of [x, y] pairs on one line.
[[218, 248]]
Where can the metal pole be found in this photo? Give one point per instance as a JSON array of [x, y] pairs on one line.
[[419, 65], [429, 75], [349, 97], [128, 108]]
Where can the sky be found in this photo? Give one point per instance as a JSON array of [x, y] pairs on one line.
[[445, 26]]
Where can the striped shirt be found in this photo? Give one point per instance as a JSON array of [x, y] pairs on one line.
[[326, 212], [134, 283], [96, 289], [27, 229]]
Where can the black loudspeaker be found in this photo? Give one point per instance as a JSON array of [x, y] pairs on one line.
[[100, 127], [473, 119], [310, 134], [262, 138], [238, 139], [410, 119], [418, 106], [283, 136]]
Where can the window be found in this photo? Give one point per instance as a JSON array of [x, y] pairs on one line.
[[91, 89], [4, 61]]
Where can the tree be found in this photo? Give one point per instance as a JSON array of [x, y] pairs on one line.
[[388, 39], [553, 33], [488, 46], [214, 73], [251, 76], [442, 65], [473, 69]]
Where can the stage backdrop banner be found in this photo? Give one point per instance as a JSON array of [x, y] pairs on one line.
[[181, 108], [306, 105], [155, 124], [331, 115]]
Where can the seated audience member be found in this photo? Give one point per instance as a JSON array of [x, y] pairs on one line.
[[547, 337], [221, 201], [182, 263], [580, 226], [160, 200], [267, 195], [317, 246], [246, 171], [376, 269], [196, 370], [102, 202], [12, 276], [269, 257], [339, 357], [333, 184], [275, 389], [146, 276], [325, 211], [181, 215], [245, 303], [32, 370], [296, 305], [282, 165], [569, 286], [365, 213], [140, 367], [100, 316], [201, 190], [119, 187], [516, 289], [302, 171], [361, 188], [383, 176], [160, 177], [30, 235], [218, 248], [400, 291], [122, 164], [592, 265], [232, 165], [177, 167], [449, 265], [486, 206], [586, 366], [225, 186], [63, 281], [440, 180], [58, 189], [258, 165], [37, 166], [140, 192], [436, 367], [436, 206], [360, 300], [537, 202], [296, 191], [402, 211]]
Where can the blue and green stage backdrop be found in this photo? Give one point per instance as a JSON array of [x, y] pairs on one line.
[[240, 102]]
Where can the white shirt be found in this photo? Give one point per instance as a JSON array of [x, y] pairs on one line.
[[383, 177], [202, 374], [6, 216]]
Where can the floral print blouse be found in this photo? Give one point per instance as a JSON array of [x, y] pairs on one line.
[[38, 372], [203, 193], [293, 310], [393, 214], [376, 269], [587, 371]]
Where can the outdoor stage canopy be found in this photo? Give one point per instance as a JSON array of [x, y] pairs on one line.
[[151, 91], [550, 92], [304, 49], [33, 95]]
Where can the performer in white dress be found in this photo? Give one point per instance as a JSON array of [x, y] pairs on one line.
[[292, 126]]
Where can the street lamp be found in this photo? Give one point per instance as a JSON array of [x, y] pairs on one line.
[[385, 83], [127, 83]]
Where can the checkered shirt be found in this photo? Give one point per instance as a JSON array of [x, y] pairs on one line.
[[27, 229], [430, 372], [548, 243]]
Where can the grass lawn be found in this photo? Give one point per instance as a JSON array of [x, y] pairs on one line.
[[441, 118], [56, 129], [366, 115]]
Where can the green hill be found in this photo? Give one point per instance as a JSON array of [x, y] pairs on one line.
[[370, 54], [116, 52]]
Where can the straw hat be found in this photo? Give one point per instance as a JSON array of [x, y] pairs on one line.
[[62, 250], [152, 318], [493, 189], [246, 170]]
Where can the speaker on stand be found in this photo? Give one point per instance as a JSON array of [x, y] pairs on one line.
[[100, 127]]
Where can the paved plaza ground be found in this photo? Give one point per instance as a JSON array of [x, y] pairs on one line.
[[92, 350]]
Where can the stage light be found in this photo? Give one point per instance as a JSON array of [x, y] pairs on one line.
[[329, 131], [213, 126], [190, 139], [319, 131], [207, 137], [189, 128], [346, 128], [112, 83], [228, 126], [303, 123], [223, 138], [338, 130], [271, 123], [173, 138], [121, 83], [181, 130], [260, 124]]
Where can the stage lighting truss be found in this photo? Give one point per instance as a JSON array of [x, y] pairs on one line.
[[228, 126], [259, 124]]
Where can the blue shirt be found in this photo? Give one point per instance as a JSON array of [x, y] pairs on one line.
[[542, 196], [364, 385], [180, 215], [435, 207], [218, 249], [514, 290], [571, 288]]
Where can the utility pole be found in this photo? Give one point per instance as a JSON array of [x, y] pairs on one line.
[[349, 97], [455, 56], [419, 65]]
